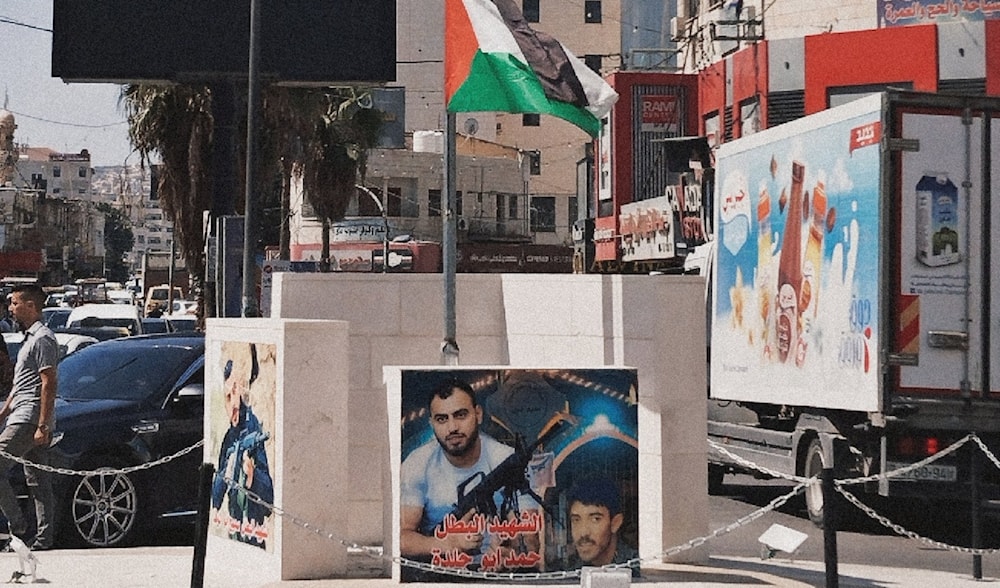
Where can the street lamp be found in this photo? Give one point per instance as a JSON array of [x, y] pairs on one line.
[[385, 226]]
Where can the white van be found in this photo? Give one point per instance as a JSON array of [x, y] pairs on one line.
[[106, 315]]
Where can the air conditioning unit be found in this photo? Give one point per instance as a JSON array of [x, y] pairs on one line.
[[676, 28]]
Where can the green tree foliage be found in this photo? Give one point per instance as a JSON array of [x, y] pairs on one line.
[[325, 131], [175, 123], [118, 240]]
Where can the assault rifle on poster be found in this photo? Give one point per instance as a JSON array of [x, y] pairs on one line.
[[510, 477], [247, 442]]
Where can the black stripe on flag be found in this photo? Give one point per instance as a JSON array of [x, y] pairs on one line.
[[545, 55]]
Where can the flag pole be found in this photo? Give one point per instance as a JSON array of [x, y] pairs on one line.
[[449, 347]]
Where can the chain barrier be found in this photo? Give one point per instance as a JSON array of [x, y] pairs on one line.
[[908, 468], [376, 552], [904, 532], [986, 450], [899, 472], [751, 465], [103, 471], [802, 484], [899, 529]]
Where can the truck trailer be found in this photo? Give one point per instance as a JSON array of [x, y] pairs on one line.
[[851, 296]]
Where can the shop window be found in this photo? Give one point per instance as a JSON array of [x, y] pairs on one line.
[[543, 214], [530, 9], [434, 203], [534, 162], [531, 119], [592, 11]]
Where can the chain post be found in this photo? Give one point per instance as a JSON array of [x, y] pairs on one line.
[[830, 516], [206, 472]]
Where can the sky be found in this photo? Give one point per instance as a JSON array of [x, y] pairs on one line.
[[48, 112]]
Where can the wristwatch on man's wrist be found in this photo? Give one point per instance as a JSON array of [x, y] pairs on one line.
[[43, 428]]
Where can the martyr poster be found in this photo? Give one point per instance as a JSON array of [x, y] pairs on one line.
[[517, 470]]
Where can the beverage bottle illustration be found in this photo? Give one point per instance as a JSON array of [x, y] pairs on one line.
[[938, 236], [790, 271], [765, 284], [809, 296]]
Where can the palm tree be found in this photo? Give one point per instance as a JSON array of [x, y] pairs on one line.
[[327, 131]]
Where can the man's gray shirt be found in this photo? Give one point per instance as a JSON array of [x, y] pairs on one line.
[[38, 352]]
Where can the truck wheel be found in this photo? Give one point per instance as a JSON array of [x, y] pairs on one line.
[[814, 494]]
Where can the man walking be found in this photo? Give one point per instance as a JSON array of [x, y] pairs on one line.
[[28, 415]]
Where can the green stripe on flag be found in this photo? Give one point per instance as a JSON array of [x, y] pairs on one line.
[[499, 82]]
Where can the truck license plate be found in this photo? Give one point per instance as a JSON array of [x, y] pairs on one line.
[[927, 473]]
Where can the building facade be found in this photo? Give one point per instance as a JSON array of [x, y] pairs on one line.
[[608, 35], [46, 211], [131, 190], [763, 63], [401, 199]]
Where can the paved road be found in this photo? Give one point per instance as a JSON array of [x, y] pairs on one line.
[[865, 542], [170, 567]]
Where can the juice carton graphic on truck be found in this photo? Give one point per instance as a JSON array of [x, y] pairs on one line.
[[937, 233]]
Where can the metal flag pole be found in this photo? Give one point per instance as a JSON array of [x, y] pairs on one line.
[[449, 347], [249, 306]]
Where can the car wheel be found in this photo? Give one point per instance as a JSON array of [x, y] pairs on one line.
[[104, 508]]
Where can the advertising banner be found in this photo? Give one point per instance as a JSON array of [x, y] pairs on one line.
[[514, 258], [647, 230], [659, 114], [895, 13], [517, 470], [796, 280], [241, 421]]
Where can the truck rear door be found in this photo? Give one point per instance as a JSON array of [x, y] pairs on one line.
[[942, 175]]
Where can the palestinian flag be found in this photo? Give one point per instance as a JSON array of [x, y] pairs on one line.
[[495, 62]]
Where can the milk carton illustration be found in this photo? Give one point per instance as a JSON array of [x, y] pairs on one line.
[[938, 236]]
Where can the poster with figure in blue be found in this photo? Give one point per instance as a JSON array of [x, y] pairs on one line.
[[795, 299], [242, 418], [517, 471]]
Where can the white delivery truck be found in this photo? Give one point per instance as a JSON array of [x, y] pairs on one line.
[[852, 295]]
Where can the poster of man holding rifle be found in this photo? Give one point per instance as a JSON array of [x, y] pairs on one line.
[[488, 457], [242, 488]]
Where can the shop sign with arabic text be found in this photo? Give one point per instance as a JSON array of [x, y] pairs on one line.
[[894, 13]]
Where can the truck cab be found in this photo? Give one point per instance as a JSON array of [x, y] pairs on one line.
[[159, 298]]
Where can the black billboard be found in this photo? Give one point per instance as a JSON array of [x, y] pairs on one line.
[[302, 41]]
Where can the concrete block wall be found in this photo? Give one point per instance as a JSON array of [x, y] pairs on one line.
[[310, 468], [653, 323]]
